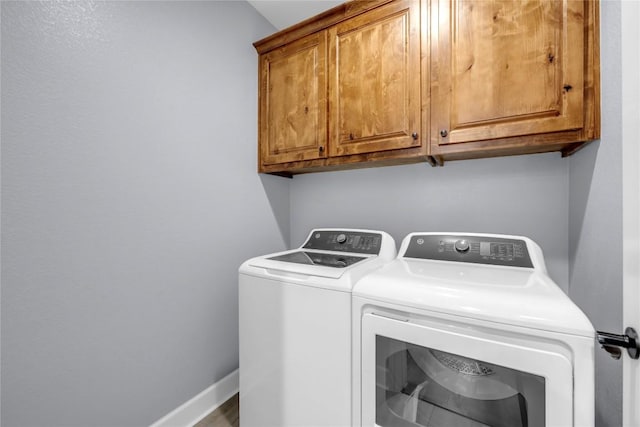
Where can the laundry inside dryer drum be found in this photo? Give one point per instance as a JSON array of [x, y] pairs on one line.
[[419, 386]]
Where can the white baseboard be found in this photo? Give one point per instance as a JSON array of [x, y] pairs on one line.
[[196, 408]]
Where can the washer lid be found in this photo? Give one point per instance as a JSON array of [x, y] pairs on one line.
[[506, 295], [319, 258], [308, 263]]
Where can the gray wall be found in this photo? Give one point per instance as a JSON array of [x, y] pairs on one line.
[[525, 195], [129, 198], [595, 226]]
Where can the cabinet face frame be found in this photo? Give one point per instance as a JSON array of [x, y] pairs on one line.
[[292, 102], [393, 122], [564, 61]]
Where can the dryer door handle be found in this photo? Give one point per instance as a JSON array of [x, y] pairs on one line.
[[612, 343], [390, 316]]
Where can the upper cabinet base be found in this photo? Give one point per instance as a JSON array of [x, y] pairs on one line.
[[384, 82]]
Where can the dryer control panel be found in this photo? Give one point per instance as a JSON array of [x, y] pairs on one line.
[[345, 241], [472, 249]]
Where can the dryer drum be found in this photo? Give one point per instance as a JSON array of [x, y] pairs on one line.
[[464, 376], [461, 364], [413, 397]]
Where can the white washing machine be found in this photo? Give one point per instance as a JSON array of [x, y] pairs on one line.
[[469, 330], [295, 328]]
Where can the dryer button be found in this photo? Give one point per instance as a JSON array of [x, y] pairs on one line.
[[462, 245]]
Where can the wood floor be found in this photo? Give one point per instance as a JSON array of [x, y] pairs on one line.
[[227, 415]]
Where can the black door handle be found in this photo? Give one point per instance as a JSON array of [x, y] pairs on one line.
[[612, 343]]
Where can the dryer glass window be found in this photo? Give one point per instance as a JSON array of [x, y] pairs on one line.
[[420, 386]]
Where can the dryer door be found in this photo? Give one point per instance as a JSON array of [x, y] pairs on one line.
[[443, 374]]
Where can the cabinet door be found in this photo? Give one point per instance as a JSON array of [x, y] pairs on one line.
[[504, 68], [374, 83], [293, 118]]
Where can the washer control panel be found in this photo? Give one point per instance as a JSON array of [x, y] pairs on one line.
[[473, 249], [345, 241]]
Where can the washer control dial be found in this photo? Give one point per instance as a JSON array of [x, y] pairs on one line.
[[462, 245], [341, 238]]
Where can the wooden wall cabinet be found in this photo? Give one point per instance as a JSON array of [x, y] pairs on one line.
[[513, 77], [374, 83], [399, 81], [293, 113], [343, 90]]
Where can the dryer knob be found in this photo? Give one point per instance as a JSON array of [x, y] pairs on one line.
[[341, 238], [462, 245]]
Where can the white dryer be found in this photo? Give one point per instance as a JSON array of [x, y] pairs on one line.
[[295, 328], [469, 330]]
